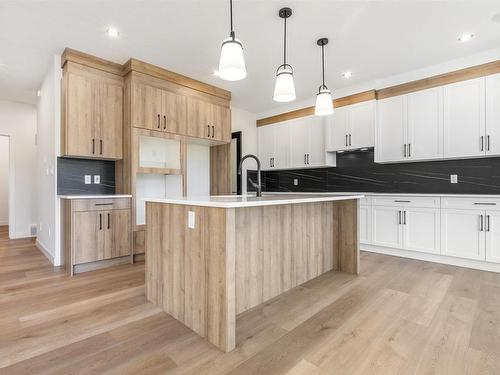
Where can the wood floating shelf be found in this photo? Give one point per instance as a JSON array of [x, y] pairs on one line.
[[154, 170]]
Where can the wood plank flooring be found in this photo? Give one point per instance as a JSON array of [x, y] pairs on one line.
[[400, 316]]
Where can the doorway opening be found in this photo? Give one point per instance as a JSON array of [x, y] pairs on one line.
[[4, 185], [236, 187]]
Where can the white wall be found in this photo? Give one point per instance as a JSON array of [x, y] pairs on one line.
[[198, 170], [48, 113], [18, 121], [4, 180], [244, 121]]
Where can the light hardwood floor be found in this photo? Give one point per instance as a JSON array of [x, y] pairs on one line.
[[399, 317]]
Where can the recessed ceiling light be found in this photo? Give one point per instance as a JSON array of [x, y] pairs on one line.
[[112, 32], [347, 75], [465, 37]]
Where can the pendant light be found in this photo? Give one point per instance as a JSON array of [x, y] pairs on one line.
[[231, 62], [324, 104], [284, 90]]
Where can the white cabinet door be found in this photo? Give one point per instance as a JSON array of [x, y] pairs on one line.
[[461, 234], [386, 227], [337, 129], [422, 230], [299, 135], [492, 115], [492, 227], [281, 146], [266, 145], [391, 125], [361, 124], [316, 149], [364, 224], [464, 118], [425, 124]]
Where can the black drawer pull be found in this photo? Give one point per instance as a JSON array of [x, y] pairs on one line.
[[485, 203], [402, 201], [104, 204]]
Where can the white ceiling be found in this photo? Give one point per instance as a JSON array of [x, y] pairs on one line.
[[373, 39]]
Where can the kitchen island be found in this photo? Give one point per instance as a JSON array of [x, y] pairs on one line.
[[209, 259]]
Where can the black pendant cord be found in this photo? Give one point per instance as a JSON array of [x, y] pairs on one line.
[[231, 17], [323, 62], [284, 44]]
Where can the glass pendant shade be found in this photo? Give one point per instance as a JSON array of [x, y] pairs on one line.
[[232, 63], [284, 90], [324, 103]]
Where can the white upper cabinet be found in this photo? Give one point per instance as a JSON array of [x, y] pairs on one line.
[[391, 125], [424, 135], [464, 118], [492, 141], [298, 143], [351, 127]]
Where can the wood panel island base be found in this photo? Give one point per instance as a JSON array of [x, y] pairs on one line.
[[209, 259]]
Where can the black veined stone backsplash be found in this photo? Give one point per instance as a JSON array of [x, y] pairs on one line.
[[71, 176], [357, 172]]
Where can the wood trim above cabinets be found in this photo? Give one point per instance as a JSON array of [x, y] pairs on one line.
[[158, 72], [308, 111], [90, 61], [440, 80]]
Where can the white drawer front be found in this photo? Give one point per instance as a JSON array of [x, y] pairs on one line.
[[407, 201], [471, 203]]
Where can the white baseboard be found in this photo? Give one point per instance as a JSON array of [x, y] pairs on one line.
[[44, 251], [443, 259], [4, 222]]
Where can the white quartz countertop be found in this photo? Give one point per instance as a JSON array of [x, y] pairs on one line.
[[103, 196], [396, 194], [234, 201]]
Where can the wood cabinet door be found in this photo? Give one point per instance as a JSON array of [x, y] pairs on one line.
[[464, 118], [110, 114], [146, 106], [174, 113], [81, 118], [391, 129], [198, 118], [422, 230], [88, 236], [117, 229], [425, 124], [462, 233], [361, 124], [221, 122]]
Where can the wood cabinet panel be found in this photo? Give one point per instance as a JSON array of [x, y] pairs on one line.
[[92, 120], [198, 118], [146, 107], [87, 237], [117, 233]]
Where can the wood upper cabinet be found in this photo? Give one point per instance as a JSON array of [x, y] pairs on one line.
[[92, 113], [154, 108], [208, 120]]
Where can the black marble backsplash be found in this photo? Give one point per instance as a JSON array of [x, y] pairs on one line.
[[71, 176], [357, 171]]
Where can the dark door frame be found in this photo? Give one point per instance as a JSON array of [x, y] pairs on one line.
[[237, 136]]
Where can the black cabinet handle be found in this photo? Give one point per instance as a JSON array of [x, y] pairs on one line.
[[159, 125], [213, 131], [109, 219], [100, 221], [398, 201], [208, 135], [164, 122], [308, 159], [409, 149], [100, 144], [404, 217], [93, 146], [488, 143], [350, 144], [485, 204], [404, 150], [399, 217], [481, 226], [482, 143], [487, 223], [346, 137]]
